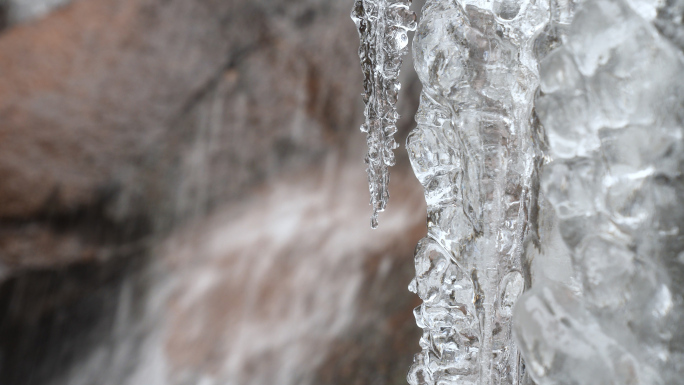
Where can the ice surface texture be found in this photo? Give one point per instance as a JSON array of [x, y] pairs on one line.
[[549, 132], [383, 27], [612, 105], [476, 153]]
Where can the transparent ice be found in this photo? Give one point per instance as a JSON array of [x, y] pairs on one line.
[[550, 144], [476, 153], [383, 26]]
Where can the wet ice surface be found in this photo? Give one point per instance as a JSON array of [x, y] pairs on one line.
[[475, 151], [580, 198], [611, 104], [383, 26]]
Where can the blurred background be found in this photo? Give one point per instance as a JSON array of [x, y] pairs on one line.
[[183, 198]]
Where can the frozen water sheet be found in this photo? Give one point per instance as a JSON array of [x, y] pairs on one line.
[[612, 105], [550, 136]]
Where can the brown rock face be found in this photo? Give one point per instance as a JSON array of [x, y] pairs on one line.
[[182, 199], [136, 109], [275, 292]]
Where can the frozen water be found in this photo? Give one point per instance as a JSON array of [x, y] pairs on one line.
[[475, 151], [612, 106], [383, 27], [550, 146]]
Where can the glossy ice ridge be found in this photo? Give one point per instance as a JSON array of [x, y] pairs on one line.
[[382, 27], [612, 104], [550, 143], [476, 152]]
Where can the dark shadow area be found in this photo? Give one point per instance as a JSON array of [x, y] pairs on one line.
[[50, 320]]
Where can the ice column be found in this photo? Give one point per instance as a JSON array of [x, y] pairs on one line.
[[612, 104], [475, 151], [383, 27]]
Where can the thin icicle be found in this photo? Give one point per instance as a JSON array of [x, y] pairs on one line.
[[383, 26]]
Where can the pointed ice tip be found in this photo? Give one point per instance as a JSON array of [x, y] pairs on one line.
[[382, 26], [374, 221], [413, 286]]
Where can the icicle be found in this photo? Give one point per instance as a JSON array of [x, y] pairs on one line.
[[475, 151], [383, 27]]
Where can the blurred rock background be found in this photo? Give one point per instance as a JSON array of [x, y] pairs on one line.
[[183, 198]]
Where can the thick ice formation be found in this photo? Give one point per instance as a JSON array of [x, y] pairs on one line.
[[580, 165], [383, 27], [475, 151], [612, 104]]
